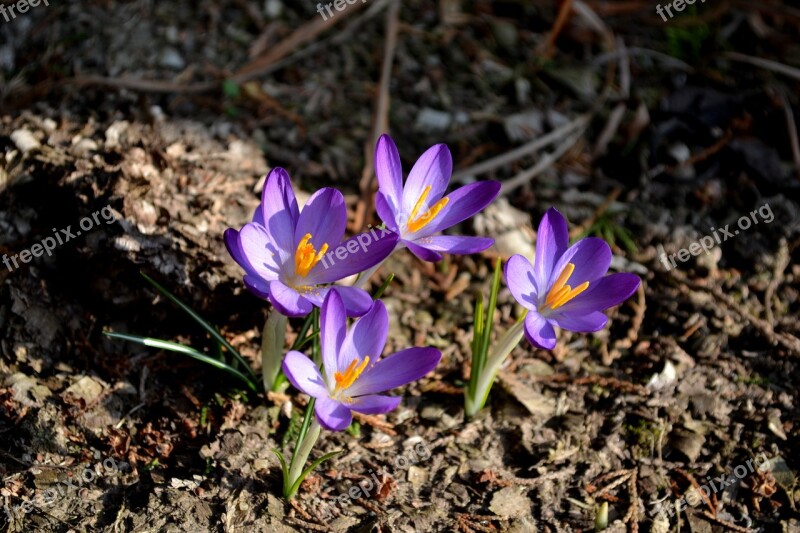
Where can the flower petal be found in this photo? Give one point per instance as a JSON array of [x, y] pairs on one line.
[[304, 375], [386, 212], [324, 216], [433, 168], [279, 210], [455, 244], [353, 256], [332, 415], [389, 171], [539, 331], [374, 404], [287, 300], [464, 203], [259, 256], [520, 281], [396, 370], [604, 293], [594, 321], [552, 240], [367, 336], [356, 301], [257, 286], [332, 330], [422, 252], [591, 257]]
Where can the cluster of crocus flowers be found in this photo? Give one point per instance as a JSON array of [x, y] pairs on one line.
[[284, 252]]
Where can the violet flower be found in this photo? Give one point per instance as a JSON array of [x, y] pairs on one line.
[[280, 250], [419, 209], [565, 286], [353, 372]]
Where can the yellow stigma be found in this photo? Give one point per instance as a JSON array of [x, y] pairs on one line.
[[561, 293], [344, 381], [417, 223], [306, 257]]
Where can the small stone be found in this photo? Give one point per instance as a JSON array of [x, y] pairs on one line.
[[432, 412], [171, 59], [24, 140], [510, 502], [417, 477]]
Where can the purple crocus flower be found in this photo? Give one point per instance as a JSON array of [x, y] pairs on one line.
[[565, 286], [353, 372], [419, 209], [281, 249]]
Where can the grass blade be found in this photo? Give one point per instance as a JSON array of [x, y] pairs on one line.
[[308, 470], [383, 287], [185, 350], [208, 327]]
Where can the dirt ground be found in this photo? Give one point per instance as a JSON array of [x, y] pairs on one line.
[[161, 120]]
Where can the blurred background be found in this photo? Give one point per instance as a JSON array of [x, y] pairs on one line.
[[649, 125]]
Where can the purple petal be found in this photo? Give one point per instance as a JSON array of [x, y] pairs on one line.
[[332, 330], [604, 293], [353, 256], [389, 172], [455, 244], [288, 301], [422, 252], [539, 331], [552, 240], [356, 301], [594, 321], [433, 168], [304, 375], [386, 212], [259, 256], [332, 415], [279, 209], [374, 404], [396, 370], [257, 286], [464, 202], [520, 281], [591, 257], [367, 336], [324, 216]]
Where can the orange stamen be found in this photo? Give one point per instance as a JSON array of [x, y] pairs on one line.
[[417, 223], [561, 293], [306, 257], [344, 381]]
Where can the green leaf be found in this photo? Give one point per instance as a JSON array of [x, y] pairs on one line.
[[487, 330], [185, 350], [284, 469], [307, 471], [208, 327], [383, 287]]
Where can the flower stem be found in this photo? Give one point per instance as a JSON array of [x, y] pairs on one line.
[[308, 436], [475, 401]]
